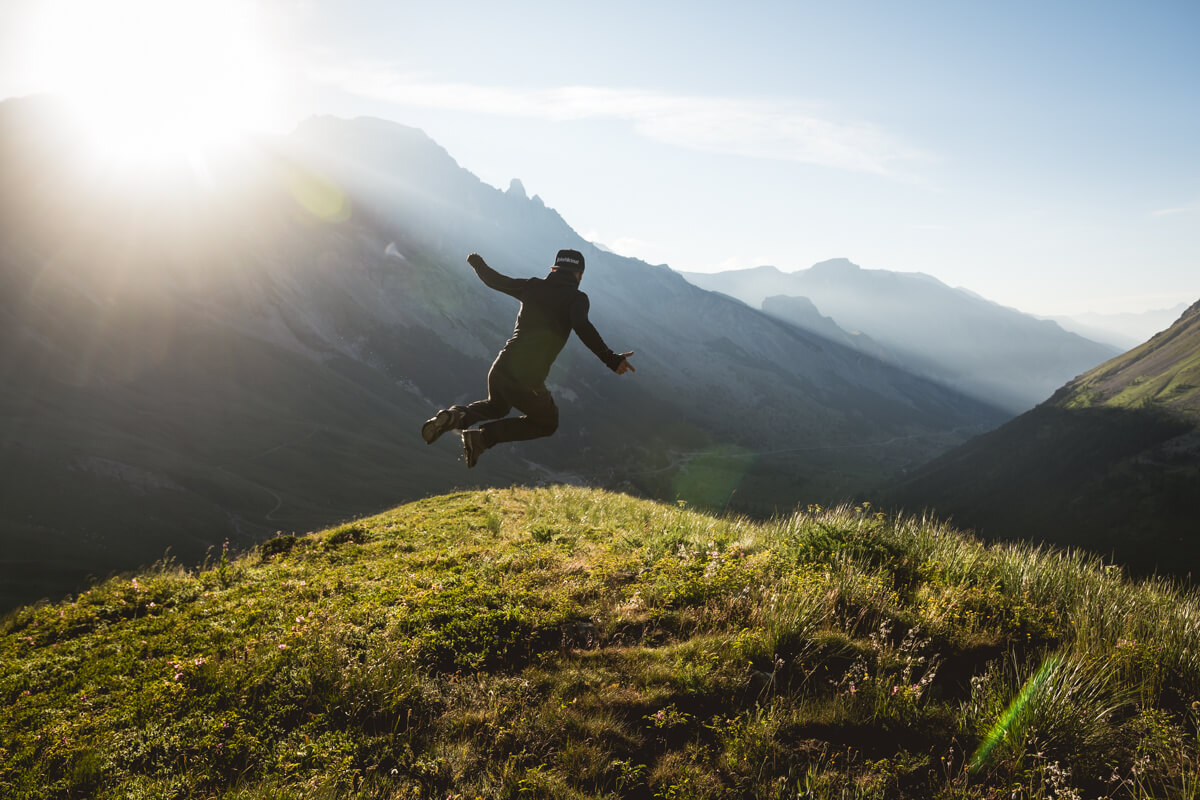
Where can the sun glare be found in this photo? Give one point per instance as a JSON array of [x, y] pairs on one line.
[[154, 78]]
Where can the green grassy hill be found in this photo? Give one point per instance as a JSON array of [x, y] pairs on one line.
[[572, 643]]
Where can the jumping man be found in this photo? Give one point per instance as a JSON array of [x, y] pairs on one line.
[[551, 308]]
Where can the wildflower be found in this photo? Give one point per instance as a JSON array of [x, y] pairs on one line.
[[283, 647]]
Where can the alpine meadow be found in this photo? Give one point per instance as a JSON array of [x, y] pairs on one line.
[[574, 643]]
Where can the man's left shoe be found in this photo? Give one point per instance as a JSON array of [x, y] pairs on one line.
[[447, 419], [473, 446]]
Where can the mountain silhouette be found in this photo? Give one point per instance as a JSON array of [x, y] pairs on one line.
[[995, 354]]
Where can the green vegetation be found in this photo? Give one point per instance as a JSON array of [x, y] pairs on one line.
[[1174, 388], [1163, 372], [569, 643]]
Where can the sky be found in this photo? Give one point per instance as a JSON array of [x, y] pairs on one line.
[[1045, 155]]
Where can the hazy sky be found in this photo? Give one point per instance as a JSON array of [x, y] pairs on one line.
[[1043, 154]]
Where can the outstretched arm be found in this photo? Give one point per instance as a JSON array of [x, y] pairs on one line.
[[588, 334], [493, 279]]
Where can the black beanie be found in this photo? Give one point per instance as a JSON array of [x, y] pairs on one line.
[[569, 259]]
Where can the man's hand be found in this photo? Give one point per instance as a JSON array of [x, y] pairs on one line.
[[476, 260], [625, 366]]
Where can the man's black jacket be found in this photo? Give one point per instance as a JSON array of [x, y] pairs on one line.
[[551, 308]]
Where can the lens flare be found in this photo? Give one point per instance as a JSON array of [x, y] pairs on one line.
[[318, 195], [1009, 719], [710, 479]]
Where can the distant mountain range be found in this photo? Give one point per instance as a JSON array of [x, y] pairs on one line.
[[1124, 331], [195, 356], [1110, 463], [995, 354]]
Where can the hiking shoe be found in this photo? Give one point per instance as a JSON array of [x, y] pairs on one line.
[[447, 419], [473, 446]]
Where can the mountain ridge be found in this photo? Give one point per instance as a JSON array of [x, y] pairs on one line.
[[1164, 371], [271, 340], [952, 336]]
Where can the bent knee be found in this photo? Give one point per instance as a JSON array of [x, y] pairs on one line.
[[547, 424]]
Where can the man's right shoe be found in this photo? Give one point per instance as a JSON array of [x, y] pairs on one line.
[[447, 419], [473, 446]]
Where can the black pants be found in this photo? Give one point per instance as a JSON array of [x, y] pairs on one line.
[[505, 394]]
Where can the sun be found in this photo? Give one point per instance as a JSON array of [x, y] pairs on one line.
[[155, 78]]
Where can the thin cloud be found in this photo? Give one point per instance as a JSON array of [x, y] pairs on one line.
[[751, 128]]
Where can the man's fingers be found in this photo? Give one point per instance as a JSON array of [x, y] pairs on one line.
[[625, 366]]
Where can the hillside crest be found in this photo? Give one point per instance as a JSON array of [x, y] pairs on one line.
[[575, 643]]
